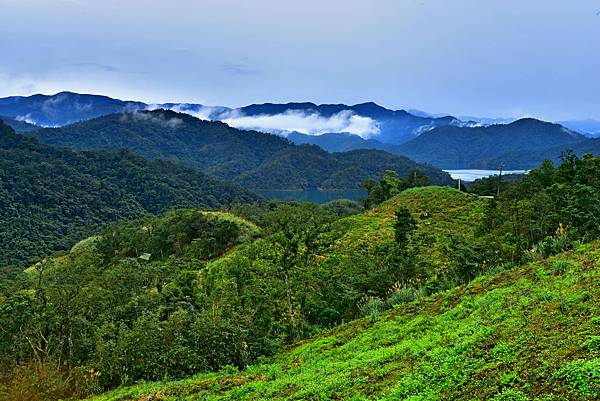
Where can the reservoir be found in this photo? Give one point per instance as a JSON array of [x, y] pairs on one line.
[[472, 175]]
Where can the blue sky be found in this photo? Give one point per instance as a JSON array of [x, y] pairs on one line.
[[466, 57]]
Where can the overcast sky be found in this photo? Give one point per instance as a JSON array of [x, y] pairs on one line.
[[466, 57]]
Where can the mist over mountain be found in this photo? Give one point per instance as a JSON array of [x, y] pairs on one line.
[[338, 141], [254, 159], [588, 127], [441, 140], [63, 108], [453, 147], [19, 125], [51, 198], [367, 120]]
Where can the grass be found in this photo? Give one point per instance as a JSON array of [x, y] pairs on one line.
[[529, 333], [449, 212]]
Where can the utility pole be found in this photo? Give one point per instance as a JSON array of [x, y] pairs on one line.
[[459, 183], [499, 179]]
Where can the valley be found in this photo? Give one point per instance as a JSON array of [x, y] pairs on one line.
[[277, 200]]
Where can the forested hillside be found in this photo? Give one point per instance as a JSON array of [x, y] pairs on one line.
[[452, 147], [256, 160], [63, 108], [526, 334], [18, 125], [50, 198], [520, 145], [192, 291], [526, 159]]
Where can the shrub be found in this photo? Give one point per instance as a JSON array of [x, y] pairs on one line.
[[582, 377], [553, 245], [400, 294], [509, 394], [560, 266], [371, 307], [592, 344], [47, 381]]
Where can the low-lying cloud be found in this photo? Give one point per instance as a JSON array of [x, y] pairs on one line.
[[305, 122], [310, 123], [159, 119]]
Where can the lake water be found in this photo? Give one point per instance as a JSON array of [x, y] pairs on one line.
[[315, 196], [472, 175]]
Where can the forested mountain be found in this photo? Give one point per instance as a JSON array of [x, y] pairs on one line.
[[63, 108], [18, 125], [264, 293], [391, 126], [588, 127], [461, 147], [338, 141], [50, 198], [256, 160], [527, 158]]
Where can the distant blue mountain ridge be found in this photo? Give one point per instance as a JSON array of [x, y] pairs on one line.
[[441, 140]]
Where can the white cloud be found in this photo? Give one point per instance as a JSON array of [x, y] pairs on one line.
[[305, 122], [159, 119], [311, 123]]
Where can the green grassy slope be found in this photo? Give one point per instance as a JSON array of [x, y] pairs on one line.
[[449, 212], [530, 333]]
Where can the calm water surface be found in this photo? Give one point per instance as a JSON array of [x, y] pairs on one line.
[[315, 196], [472, 175]]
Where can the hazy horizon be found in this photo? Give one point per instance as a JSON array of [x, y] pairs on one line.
[[495, 59]]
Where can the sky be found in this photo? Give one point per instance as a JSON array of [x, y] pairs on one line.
[[487, 58]]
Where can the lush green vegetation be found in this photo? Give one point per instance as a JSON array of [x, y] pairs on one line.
[[269, 293], [64, 107], [526, 159], [51, 198], [254, 159], [528, 333], [18, 125], [465, 147]]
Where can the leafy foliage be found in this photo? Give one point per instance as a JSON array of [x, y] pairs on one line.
[[550, 208], [510, 336], [254, 159], [458, 147], [51, 198], [162, 298]]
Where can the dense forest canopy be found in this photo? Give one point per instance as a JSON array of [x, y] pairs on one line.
[[50, 198], [193, 291], [454, 147], [254, 159]]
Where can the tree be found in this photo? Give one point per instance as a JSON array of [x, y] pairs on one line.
[[403, 226]]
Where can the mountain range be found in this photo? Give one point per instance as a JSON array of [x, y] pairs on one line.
[[253, 159], [50, 198], [522, 144], [390, 126], [440, 140]]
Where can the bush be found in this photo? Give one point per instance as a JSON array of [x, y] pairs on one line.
[[592, 344], [510, 395], [560, 266], [582, 377], [47, 381], [400, 294], [371, 307], [553, 245]]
